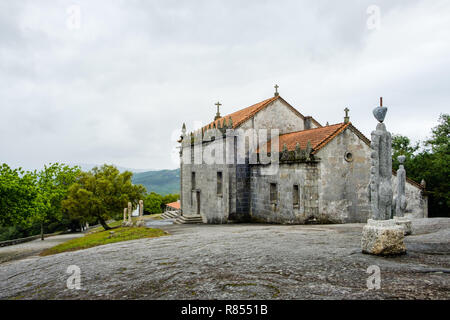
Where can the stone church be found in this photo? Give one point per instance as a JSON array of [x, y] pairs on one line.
[[320, 173]]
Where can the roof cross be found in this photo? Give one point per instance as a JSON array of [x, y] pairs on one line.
[[218, 104], [276, 89], [346, 118]]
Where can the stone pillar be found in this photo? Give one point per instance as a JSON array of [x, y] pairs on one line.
[[141, 208], [130, 208], [125, 221], [140, 222], [400, 205], [382, 235], [380, 192], [400, 200]]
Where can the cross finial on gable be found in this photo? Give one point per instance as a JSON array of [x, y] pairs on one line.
[[218, 104], [276, 90], [346, 118]]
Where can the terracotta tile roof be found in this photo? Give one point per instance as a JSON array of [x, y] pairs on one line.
[[318, 137], [242, 115], [239, 117], [175, 205]]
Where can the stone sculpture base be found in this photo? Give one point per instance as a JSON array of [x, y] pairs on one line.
[[140, 223], [127, 224], [405, 223], [383, 237]]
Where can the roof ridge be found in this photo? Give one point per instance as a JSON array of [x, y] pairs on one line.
[[262, 103], [307, 130], [331, 136]]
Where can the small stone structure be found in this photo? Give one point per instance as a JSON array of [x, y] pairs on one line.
[[400, 200], [127, 222], [382, 235], [124, 222], [140, 221], [400, 203]]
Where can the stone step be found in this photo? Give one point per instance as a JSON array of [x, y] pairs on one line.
[[188, 219], [169, 215]]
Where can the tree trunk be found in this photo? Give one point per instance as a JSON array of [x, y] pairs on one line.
[[42, 230], [103, 223]]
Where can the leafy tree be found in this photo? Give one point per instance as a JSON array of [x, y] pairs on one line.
[[401, 145], [432, 164], [169, 198], [435, 166], [18, 196], [101, 194], [53, 183], [153, 203]]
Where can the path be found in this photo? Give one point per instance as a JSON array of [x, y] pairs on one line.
[[31, 248]]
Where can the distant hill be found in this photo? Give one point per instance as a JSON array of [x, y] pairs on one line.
[[159, 181], [89, 166]]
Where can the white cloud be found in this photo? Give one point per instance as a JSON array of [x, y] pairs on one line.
[[116, 89]]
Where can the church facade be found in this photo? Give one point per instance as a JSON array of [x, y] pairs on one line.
[[270, 163]]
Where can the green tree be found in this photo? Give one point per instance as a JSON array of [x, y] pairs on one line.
[[169, 198], [153, 203], [53, 183], [435, 166], [101, 194], [431, 164], [18, 197], [401, 146]]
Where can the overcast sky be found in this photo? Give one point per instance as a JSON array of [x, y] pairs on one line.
[[115, 85]]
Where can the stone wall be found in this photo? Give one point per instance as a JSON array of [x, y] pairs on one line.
[[305, 175], [343, 196], [277, 115], [343, 185], [214, 207]]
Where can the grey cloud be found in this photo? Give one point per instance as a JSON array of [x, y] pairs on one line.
[[116, 90]]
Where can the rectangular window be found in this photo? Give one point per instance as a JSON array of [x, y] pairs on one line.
[[193, 180], [273, 193], [219, 183], [295, 195], [192, 154]]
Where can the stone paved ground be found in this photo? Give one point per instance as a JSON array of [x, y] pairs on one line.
[[241, 262], [31, 248]]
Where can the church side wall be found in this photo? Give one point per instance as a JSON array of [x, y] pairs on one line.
[[304, 175], [343, 184], [214, 208]]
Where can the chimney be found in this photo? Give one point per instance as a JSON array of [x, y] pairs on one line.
[[308, 121]]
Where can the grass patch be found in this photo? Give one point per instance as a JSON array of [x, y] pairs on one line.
[[114, 224], [104, 237]]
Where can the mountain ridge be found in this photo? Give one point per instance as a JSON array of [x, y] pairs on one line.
[[160, 181]]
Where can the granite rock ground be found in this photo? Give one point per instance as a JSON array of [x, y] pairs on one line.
[[241, 261]]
